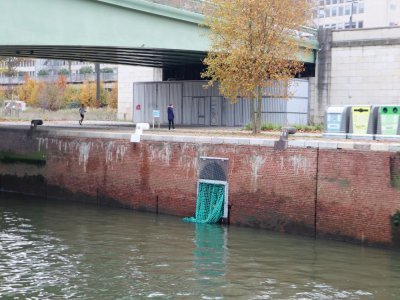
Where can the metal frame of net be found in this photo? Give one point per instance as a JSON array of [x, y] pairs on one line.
[[212, 191], [213, 168]]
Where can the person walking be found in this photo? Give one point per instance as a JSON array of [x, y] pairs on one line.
[[171, 117], [82, 113]]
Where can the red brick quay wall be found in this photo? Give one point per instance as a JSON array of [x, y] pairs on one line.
[[337, 190]]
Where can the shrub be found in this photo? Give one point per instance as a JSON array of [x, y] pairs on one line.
[[86, 70], [106, 70], [395, 219], [248, 127], [270, 127], [43, 72], [63, 72]]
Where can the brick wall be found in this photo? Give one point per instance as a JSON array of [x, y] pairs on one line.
[[353, 191], [355, 196]]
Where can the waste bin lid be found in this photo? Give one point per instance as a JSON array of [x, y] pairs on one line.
[[335, 109], [389, 109]]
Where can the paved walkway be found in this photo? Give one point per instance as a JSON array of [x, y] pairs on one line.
[[129, 126], [213, 135]]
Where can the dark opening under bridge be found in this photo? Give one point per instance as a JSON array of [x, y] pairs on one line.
[[133, 32]]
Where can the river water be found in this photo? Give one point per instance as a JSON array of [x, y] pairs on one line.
[[57, 250]]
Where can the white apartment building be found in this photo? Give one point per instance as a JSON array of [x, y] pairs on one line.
[[341, 14], [32, 67]]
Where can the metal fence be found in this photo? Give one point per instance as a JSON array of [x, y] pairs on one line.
[[194, 104]]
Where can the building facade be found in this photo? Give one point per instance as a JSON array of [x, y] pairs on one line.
[[37, 67], [343, 14], [356, 67]]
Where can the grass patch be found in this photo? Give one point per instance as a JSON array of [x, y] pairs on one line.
[[275, 127]]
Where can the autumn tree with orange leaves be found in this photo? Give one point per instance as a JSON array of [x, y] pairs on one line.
[[254, 45]]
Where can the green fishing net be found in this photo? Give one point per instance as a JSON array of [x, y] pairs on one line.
[[210, 203]]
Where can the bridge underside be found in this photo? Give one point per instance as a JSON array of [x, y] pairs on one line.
[[132, 32], [158, 58]]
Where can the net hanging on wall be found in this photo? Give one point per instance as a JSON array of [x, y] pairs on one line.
[[210, 203]]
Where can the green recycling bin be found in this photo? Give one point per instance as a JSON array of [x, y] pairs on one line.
[[388, 122], [361, 123]]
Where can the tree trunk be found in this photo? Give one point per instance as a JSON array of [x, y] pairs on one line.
[[259, 107], [253, 116]]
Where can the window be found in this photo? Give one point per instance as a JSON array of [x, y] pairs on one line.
[[327, 12], [361, 7], [347, 9], [321, 13], [360, 24], [328, 2], [354, 8], [334, 1], [321, 2], [334, 11], [333, 26], [340, 11]]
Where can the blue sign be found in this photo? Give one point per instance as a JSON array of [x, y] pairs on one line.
[[156, 113]]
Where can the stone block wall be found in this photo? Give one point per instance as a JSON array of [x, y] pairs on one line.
[[127, 75]]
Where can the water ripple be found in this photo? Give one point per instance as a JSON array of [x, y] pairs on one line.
[[63, 251]]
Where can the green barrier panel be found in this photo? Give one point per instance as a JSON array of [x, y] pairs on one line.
[[390, 116], [360, 118]]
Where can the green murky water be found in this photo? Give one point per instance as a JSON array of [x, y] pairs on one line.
[[54, 250]]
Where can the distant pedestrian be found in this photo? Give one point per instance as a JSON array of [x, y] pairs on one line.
[[82, 113], [171, 117]]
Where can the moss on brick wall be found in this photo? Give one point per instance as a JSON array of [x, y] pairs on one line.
[[395, 171], [34, 158]]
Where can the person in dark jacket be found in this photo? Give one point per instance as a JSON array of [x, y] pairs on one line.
[[82, 113], [171, 117]]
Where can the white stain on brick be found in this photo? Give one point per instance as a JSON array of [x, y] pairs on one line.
[[299, 163], [84, 150], [60, 145], [113, 150], [163, 154], [109, 152], [120, 152], [256, 162], [43, 142], [186, 161]]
